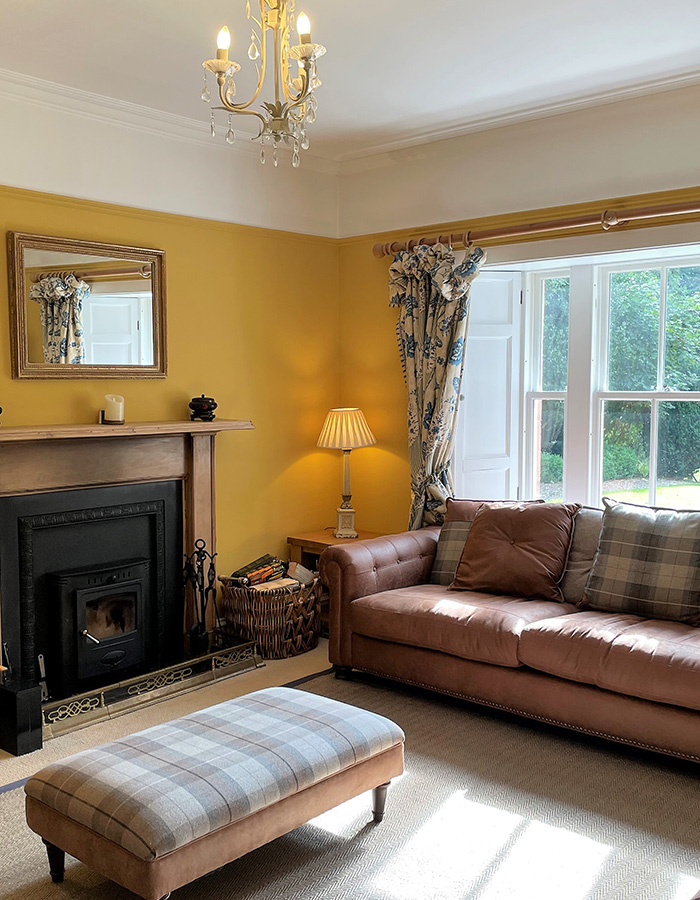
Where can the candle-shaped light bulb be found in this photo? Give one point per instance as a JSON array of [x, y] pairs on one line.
[[223, 42], [304, 28]]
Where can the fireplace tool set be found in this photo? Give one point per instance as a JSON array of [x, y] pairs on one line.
[[200, 574]]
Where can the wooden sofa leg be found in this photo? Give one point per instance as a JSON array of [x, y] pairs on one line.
[[57, 862], [343, 673], [379, 801]]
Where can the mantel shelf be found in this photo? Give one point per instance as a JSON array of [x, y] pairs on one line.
[[133, 429]]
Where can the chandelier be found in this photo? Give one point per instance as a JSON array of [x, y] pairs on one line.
[[294, 107]]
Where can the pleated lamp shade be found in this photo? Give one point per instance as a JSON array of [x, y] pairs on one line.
[[345, 429]]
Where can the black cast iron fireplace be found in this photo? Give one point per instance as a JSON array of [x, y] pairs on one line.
[[106, 561], [102, 628]]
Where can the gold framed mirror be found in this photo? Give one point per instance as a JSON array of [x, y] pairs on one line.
[[83, 309]]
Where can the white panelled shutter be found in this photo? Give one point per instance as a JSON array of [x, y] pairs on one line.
[[486, 462]]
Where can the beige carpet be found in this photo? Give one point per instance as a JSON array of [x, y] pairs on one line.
[[489, 809]]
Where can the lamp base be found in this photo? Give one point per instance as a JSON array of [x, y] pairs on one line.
[[346, 523]]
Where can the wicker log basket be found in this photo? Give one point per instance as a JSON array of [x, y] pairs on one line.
[[283, 622]]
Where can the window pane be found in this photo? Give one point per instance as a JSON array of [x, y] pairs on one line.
[[679, 455], [549, 430], [633, 348], [682, 370], [626, 450], [555, 334]]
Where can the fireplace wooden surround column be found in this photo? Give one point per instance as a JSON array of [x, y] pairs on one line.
[[36, 460]]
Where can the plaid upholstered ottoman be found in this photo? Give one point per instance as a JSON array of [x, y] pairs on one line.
[[160, 808]]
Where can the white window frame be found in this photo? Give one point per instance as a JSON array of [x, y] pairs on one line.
[[587, 389], [653, 397], [532, 374]]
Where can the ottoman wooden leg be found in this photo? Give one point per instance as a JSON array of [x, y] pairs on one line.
[[57, 862], [379, 801]]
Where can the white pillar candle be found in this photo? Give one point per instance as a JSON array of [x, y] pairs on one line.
[[114, 408]]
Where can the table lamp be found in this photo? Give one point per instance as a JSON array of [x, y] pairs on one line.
[[346, 430]]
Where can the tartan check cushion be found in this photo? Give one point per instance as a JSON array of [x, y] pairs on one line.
[[648, 563], [162, 788], [453, 537]]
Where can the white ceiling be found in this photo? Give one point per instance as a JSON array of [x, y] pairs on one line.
[[397, 71]]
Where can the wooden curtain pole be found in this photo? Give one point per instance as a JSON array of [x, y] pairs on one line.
[[606, 220], [97, 274]]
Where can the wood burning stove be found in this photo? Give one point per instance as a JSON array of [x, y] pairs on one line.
[[103, 624]]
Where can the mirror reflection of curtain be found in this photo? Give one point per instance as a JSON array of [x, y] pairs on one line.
[[60, 299]]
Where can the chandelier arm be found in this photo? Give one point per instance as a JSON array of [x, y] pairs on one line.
[[277, 39], [241, 108], [305, 91]]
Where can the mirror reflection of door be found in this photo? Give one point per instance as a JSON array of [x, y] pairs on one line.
[[118, 330], [114, 317]]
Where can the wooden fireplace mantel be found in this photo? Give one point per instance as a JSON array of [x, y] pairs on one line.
[[48, 458], [63, 432]]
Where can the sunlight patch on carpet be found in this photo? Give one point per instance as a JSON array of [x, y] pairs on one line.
[[548, 863], [686, 887], [449, 851]]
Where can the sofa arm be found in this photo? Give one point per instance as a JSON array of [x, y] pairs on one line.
[[368, 567]]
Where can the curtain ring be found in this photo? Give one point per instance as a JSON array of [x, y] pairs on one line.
[[468, 242]]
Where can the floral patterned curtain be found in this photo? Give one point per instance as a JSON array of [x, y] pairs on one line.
[[433, 299], [60, 299]]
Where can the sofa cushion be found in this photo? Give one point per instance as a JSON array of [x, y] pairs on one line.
[[647, 658], [584, 546], [470, 625], [648, 563], [453, 537], [465, 510], [454, 533], [518, 550]]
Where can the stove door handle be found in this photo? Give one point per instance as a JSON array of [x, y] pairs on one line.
[[87, 634]]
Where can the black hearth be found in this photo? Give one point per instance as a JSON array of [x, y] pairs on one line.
[[102, 624]]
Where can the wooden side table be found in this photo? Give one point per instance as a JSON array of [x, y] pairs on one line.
[[306, 549]]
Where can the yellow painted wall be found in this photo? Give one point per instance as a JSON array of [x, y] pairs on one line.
[[372, 379], [241, 328]]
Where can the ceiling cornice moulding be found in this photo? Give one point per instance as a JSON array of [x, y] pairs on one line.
[[97, 107], [415, 145]]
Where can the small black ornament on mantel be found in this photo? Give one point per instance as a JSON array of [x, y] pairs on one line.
[[203, 408]]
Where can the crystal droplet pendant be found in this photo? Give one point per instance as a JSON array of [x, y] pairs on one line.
[[262, 155], [230, 134], [275, 157], [212, 125], [206, 93]]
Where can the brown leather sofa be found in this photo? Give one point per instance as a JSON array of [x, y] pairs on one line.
[[617, 676]]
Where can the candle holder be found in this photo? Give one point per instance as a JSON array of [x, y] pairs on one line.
[[103, 420]]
